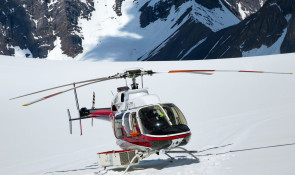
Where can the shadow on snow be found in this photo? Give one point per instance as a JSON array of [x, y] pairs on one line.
[[167, 163]]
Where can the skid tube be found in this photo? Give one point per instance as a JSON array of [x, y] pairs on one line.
[[181, 152]]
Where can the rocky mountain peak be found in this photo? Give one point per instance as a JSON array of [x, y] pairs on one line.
[[147, 29], [35, 25], [244, 8], [261, 33]]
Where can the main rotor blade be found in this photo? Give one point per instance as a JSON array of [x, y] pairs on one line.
[[212, 71], [96, 79], [61, 92]]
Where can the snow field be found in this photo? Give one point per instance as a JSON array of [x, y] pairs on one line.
[[241, 123]]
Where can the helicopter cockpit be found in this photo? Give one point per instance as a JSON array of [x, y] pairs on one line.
[[161, 119]]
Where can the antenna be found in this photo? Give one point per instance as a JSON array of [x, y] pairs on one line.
[[141, 81]]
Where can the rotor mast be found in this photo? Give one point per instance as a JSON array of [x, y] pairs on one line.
[[133, 74]]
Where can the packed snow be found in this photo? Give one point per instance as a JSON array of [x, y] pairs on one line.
[[242, 123]]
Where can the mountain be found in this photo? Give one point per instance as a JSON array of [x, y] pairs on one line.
[[34, 26], [141, 28], [260, 34], [129, 30]]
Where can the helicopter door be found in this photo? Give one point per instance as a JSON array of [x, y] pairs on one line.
[[134, 128], [126, 125], [118, 126], [130, 125]]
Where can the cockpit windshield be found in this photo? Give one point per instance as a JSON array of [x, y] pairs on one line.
[[153, 119], [164, 119], [174, 114]]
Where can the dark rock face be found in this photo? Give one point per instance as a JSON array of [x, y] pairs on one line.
[[262, 28], [190, 33], [209, 4], [117, 7], [66, 25], [288, 44], [34, 25], [160, 10], [249, 6]]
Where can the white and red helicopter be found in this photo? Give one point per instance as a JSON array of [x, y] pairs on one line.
[[142, 124]]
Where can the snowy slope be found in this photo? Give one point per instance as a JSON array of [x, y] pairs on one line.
[[242, 123]]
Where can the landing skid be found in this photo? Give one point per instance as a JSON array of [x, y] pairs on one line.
[[181, 152], [141, 155]]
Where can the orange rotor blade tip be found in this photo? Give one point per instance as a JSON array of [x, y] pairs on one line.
[[25, 105]]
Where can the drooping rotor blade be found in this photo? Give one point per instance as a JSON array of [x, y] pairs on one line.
[[70, 84], [212, 71], [61, 92]]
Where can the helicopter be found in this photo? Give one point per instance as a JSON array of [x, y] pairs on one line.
[[142, 124]]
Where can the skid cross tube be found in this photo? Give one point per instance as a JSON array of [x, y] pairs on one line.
[[133, 159]]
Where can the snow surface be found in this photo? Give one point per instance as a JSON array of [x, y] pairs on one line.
[[242, 123]]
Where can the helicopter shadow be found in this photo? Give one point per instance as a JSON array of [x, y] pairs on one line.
[[159, 164], [144, 164], [166, 163]]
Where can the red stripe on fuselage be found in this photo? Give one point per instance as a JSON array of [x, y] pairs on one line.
[[146, 140], [150, 138], [101, 112], [136, 141]]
